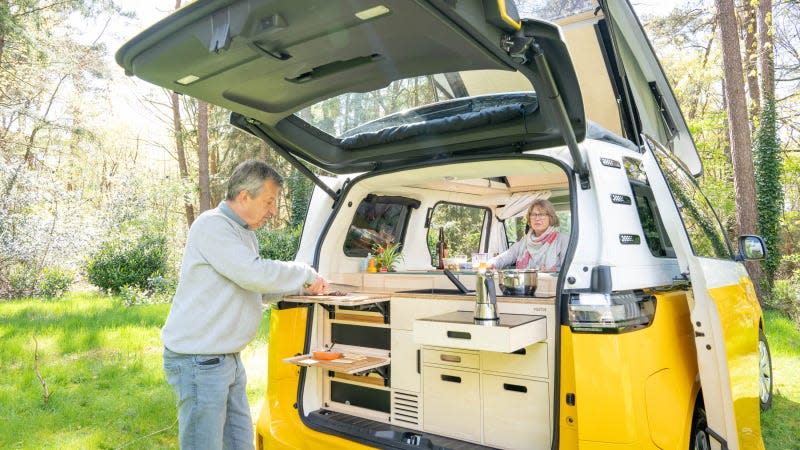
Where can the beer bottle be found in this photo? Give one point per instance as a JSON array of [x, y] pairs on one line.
[[441, 248]]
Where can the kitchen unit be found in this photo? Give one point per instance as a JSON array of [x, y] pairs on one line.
[[502, 397]]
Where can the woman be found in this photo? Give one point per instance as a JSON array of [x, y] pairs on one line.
[[542, 248]]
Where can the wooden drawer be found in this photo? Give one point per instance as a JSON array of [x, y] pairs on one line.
[[448, 357], [515, 413], [530, 361], [452, 405], [406, 310]]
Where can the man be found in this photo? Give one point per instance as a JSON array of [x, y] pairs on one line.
[[217, 309]]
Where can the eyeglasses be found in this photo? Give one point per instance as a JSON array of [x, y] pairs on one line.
[[539, 216]]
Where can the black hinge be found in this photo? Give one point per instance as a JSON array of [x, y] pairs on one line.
[[570, 399]]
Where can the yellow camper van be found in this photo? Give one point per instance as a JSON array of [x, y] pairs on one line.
[[412, 116]]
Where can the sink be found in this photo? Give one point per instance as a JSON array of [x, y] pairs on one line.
[[439, 292]]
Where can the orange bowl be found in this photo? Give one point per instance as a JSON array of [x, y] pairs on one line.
[[326, 356]]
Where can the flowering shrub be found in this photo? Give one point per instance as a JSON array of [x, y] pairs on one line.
[[120, 263]]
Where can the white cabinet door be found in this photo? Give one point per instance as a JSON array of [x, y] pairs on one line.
[[516, 413], [405, 362], [452, 405]]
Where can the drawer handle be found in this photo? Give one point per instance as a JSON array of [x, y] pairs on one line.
[[459, 335], [519, 352], [451, 379], [450, 358], [515, 388]]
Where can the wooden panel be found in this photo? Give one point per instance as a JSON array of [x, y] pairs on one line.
[[348, 364]]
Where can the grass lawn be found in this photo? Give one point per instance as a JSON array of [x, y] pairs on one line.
[[781, 424], [102, 364]]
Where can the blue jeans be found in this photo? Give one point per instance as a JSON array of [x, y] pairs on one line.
[[213, 412]]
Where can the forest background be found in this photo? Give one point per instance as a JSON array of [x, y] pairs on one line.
[[102, 174]]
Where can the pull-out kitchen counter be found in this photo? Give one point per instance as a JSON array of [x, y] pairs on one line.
[[502, 399]]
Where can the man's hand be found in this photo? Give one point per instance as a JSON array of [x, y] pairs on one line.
[[318, 287]]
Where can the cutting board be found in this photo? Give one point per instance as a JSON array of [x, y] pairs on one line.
[[351, 299]]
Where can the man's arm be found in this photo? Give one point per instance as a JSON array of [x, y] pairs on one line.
[[221, 246]]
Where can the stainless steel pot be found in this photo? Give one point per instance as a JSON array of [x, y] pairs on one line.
[[518, 281]]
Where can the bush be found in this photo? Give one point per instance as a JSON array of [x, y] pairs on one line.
[[54, 282], [50, 282], [281, 244], [785, 297], [120, 263]]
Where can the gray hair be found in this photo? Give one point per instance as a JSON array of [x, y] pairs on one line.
[[250, 176]]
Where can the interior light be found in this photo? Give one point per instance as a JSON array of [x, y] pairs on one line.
[[373, 12], [188, 79]]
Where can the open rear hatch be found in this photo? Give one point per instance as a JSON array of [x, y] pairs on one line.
[[267, 60]]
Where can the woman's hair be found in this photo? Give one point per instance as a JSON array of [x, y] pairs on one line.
[[548, 208]]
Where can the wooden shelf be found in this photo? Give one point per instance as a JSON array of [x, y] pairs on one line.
[[349, 363]]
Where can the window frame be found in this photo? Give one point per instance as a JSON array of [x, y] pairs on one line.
[[409, 203], [483, 241]]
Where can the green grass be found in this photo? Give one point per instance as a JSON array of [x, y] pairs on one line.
[[102, 364], [781, 424]]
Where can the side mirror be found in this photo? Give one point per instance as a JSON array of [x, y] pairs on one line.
[[751, 247]]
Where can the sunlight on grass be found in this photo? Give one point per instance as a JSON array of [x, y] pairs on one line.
[[102, 364]]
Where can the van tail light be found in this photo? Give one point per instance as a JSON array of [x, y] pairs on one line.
[[616, 312]]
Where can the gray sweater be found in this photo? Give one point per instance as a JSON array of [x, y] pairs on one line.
[[217, 306]]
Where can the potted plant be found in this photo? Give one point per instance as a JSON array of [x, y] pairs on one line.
[[387, 255]]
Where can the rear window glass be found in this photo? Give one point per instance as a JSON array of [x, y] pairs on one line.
[[349, 113], [378, 220]]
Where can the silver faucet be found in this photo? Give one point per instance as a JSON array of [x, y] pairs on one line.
[[486, 298]]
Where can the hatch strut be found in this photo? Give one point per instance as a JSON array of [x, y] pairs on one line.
[[252, 126], [518, 46]]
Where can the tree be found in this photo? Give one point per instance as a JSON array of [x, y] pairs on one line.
[[769, 161], [203, 179], [738, 126], [177, 129]]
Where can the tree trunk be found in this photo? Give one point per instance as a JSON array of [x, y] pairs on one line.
[[177, 128], [766, 51], [738, 128], [751, 58], [202, 156], [179, 148]]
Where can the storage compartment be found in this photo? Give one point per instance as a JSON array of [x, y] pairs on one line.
[[361, 336], [526, 424], [530, 361], [452, 404], [360, 396]]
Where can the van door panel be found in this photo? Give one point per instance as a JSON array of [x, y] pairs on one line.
[[724, 314]]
